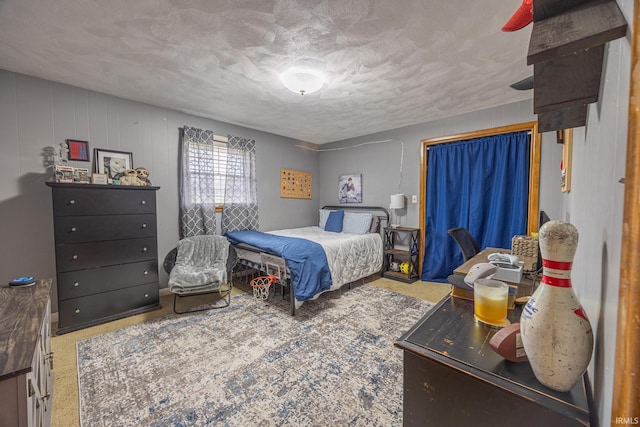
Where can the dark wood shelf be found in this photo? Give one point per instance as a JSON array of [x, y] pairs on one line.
[[393, 254], [399, 252], [587, 25], [396, 275], [567, 51]]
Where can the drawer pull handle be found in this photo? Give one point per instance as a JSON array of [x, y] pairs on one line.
[[72, 202], [76, 284], [73, 229], [144, 202], [145, 249], [144, 225], [77, 310], [146, 295], [146, 272], [74, 257]]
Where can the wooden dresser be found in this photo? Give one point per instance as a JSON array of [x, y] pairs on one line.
[[106, 253], [26, 361], [452, 377]]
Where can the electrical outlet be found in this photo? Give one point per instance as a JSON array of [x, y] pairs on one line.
[[414, 199]]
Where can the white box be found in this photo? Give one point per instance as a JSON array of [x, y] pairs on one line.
[[509, 274]]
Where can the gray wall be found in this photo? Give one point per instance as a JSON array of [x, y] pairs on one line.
[[379, 163], [36, 114], [595, 206]]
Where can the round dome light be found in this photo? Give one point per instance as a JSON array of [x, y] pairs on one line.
[[302, 80]]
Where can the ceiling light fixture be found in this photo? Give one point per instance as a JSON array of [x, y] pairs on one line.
[[302, 80]]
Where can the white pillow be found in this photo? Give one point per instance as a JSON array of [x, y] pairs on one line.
[[324, 215], [356, 223]]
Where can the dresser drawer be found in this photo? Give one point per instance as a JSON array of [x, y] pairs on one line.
[[81, 201], [80, 283], [75, 229], [99, 308], [78, 256]]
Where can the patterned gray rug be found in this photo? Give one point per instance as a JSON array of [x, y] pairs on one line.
[[252, 364]]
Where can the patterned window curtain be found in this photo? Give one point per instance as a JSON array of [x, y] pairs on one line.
[[241, 196], [196, 186]]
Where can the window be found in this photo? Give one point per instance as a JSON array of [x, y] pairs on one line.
[[208, 171]]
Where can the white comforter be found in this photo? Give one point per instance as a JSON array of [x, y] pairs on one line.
[[350, 256]]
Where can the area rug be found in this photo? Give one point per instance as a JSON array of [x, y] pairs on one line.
[[253, 364]]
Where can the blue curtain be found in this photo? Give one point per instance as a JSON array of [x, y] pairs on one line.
[[481, 184]]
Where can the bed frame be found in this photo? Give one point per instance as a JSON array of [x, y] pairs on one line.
[[271, 264]]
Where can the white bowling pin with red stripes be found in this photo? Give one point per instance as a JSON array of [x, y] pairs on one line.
[[556, 333]]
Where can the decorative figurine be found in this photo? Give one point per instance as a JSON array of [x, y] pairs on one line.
[[143, 175], [62, 154], [131, 178]]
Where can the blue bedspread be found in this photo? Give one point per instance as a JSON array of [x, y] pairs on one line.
[[306, 260]]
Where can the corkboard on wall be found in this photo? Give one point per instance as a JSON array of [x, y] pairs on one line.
[[295, 184]]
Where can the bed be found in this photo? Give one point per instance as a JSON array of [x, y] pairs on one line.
[[309, 261]]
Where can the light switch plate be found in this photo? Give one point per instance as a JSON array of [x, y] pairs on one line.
[[414, 199]]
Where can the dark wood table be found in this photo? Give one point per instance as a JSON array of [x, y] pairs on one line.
[[452, 377]]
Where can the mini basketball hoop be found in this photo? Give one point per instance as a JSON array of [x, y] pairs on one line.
[[261, 286]]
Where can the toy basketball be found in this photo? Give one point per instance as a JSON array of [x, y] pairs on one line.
[[404, 267]]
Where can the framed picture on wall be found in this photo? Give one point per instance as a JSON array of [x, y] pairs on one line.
[[565, 166], [350, 188], [78, 150], [112, 163]]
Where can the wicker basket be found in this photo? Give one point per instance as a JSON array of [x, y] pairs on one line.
[[526, 248]]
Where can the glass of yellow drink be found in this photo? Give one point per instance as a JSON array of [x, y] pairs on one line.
[[490, 300]]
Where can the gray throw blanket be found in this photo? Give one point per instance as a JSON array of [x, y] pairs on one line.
[[200, 265]]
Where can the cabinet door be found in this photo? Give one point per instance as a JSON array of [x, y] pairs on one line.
[[34, 397]]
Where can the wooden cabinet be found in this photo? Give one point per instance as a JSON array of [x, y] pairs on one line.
[[26, 361], [452, 377], [106, 253], [401, 245]]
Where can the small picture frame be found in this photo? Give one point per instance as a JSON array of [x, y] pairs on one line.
[[99, 178], [565, 168], [81, 176], [78, 150], [112, 163], [63, 173]]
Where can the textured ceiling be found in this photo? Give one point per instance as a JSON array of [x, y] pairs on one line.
[[389, 63]]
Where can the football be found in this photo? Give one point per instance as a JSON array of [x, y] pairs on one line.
[[508, 343]]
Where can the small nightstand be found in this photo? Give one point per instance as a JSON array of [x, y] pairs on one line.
[[393, 236]]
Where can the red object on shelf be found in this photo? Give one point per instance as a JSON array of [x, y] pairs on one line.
[[521, 18]]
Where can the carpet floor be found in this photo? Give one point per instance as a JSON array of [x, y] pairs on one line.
[[65, 409], [252, 363]]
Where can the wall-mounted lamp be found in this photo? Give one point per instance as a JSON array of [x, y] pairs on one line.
[[302, 80], [397, 202]]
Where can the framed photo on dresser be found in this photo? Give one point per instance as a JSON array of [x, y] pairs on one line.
[[113, 163]]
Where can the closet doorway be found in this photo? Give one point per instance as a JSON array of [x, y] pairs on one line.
[[534, 172]]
